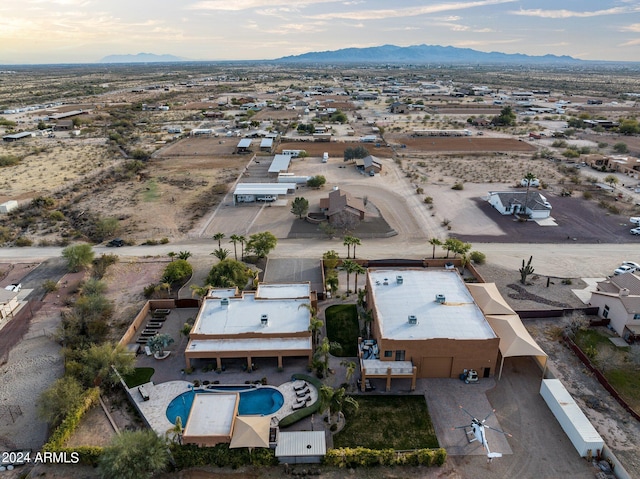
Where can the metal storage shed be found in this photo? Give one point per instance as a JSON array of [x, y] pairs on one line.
[[280, 164], [302, 447]]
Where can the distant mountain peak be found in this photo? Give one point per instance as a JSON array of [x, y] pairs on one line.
[[420, 54], [141, 58]]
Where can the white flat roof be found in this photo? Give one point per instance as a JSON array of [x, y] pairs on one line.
[[458, 318], [266, 143], [301, 443], [264, 188], [211, 414], [280, 163], [249, 345], [244, 143], [243, 315], [283, 291]]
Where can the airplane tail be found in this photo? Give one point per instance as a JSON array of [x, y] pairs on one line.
[[491, 455]]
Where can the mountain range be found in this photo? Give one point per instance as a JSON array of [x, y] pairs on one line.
[[421, 54]]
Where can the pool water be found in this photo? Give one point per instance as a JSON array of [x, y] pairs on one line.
[[254, 401]]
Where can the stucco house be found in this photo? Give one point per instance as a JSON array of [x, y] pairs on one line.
[[340, 203], [531, 204], [618, 299]]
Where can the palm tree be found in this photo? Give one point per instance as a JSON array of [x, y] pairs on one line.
[[355, 242], [529, 177], [158, 343], [349, 267], [219, 237], [434, 242], [200, 291], [315, 324], [357, 269], [323, 351], [185, 255], [235, 239], [242, 241], [171, 254], [348, 241], [174, 434], [332, 281], [335, 401], [221, 253], [350, 368]]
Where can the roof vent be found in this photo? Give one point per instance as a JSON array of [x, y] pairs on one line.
[[624, 292], [413, 319], [264, 320], [399, 279], [224, 302], [440, 299], [385, 282]]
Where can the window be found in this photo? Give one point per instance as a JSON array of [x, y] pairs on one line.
[[636, 316], [400, 355], [388, 354], [605, 311]]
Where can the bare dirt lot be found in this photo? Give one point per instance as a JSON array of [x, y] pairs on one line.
[[463, 143]]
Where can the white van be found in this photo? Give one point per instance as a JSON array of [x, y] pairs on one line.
[[325, 157]]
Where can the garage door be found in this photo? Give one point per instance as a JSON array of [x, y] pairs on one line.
[[436, 367]]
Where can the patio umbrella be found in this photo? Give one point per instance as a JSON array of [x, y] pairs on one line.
[[251, 431]]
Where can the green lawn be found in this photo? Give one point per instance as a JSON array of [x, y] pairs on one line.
[[615, 363], [138, 376], [342, 327], [397, 422]]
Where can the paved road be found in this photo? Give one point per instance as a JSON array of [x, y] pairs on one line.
[[562, 260]]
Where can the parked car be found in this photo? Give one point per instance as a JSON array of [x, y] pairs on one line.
[[635, 231], [622, 269], [14, 287], [635, 220], [534, 182], [116, 243], [632, 264]]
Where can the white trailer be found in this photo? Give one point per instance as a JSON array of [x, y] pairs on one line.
[[574, 423], [8, 206]]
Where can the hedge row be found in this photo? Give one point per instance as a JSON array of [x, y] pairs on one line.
[[364, 457], [57, 441], [221, 455]]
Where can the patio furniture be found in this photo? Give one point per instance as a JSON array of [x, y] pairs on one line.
[[368, 387], [303, 393], [301, 387], [303, 400], [298, 406]]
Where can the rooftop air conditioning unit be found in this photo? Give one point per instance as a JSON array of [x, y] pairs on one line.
[[399, 279], [624, 292], [385, 282], [440, 299], [264, 320], [224, 302], [413, 319]]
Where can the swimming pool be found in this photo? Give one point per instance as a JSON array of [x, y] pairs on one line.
[[253, 401]]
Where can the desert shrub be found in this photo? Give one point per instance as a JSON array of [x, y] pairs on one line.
[[458, 186], [164, 240], [23, 241], [149, 290], [587, 195], [9, 160], [50, 286], [177, 271], [478, 257], [56, 215], [428, 200]]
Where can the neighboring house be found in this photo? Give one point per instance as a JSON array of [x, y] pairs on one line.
[[513, 203], [398, 107], [618, 300], [340, 203], [271, 322], [369, 163], [63, 125], [8, 303]]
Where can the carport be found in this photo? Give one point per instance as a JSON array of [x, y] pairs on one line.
[[515, 340]]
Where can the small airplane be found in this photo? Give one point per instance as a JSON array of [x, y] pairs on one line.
[[478, 429]]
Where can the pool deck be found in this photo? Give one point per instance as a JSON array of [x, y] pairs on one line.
[[154, 409]]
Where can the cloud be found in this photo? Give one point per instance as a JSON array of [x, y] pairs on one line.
[[630, 43], [239, 5], [635, 27], [573, 14], [411, 11]]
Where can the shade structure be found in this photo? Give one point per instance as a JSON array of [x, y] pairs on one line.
[[515, 340], [489, 299], [251, 431]]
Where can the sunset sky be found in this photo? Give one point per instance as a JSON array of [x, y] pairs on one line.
[[84, 31]]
